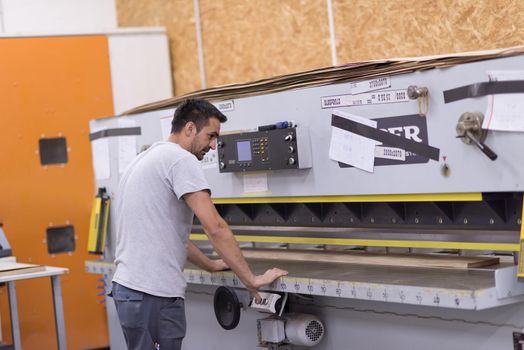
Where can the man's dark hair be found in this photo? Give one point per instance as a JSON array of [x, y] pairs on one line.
[[197, 111]]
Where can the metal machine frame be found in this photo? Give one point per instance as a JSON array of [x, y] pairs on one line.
[[444, 197]]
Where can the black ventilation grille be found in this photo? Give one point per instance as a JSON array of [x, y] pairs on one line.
[[60, 239], [53, 150]]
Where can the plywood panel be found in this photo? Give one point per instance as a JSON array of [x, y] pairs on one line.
[[177, 16], [250, 40], [375, 29], [52, 87]]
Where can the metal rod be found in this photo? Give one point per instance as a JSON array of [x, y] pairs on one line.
[[1, 335], [422, 234], [13, 310], [59, 313]]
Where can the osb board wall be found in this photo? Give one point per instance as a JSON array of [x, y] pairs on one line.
[[249, 40], [373, 29]]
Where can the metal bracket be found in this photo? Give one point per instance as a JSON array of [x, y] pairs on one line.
[[507, 284], [421, 95]]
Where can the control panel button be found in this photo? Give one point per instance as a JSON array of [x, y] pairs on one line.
[[291, 149], [288, 138], [222, 165], [291, 161]]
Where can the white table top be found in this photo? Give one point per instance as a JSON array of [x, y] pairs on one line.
[[49, 271]]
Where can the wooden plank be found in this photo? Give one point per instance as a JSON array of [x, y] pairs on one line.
[[365, 258], [14, 268]]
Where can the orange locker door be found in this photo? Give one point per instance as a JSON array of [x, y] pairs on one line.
[[50, 88]]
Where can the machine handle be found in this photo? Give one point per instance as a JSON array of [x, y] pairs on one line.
[[485, 149]]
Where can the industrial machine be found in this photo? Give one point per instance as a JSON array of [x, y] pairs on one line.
[[393, 198]]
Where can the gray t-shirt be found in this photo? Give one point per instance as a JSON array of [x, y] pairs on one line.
[[153, 221]]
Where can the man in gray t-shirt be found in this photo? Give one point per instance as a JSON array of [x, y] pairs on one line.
[[158, 195]]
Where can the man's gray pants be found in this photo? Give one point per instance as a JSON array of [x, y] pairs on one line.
[[148, 321]]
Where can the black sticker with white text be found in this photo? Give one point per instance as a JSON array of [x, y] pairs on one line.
[[410, 127]]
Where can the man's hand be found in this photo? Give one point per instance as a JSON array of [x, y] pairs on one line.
[[198, 258], [218, 265], [268, 277]]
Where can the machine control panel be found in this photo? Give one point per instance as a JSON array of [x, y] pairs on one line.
[[276, 149]]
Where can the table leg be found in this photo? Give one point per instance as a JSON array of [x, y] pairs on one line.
[[59, 313], [13, 310]]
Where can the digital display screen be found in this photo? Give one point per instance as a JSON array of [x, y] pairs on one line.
[[244, 151]]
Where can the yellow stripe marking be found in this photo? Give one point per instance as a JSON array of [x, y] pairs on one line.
[[371, 242], [418, 197]]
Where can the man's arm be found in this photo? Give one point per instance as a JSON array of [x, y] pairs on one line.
[[198, 258], [225, 244]]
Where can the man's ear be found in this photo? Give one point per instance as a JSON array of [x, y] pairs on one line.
[[190, 128]]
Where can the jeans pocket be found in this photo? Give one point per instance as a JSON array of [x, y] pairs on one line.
[[121, 293], [172, 323]]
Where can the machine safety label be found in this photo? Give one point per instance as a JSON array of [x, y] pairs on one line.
[[226, 106], [359, 87], [368, 98], [390, 153]]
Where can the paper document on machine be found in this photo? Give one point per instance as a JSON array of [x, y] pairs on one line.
[[505, 112], [100, 151], [255, 183], [350, 148], [126, 145], [165, 126]]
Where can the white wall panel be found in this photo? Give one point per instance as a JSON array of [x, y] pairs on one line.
[[1, 17], [57, 16], [140, 69]]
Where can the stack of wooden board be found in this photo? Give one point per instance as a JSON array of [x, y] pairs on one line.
[[331, 75], [365, 258], [9, 268]]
